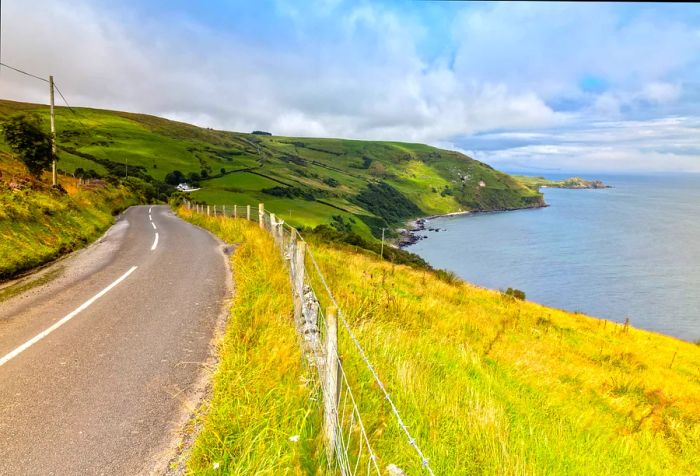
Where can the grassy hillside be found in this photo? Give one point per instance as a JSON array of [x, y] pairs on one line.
[[38, 224], [487, 384], [356, 185]]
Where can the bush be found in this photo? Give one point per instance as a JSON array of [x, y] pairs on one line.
[[447, 276], [146, 192], [290, 192], [331, 182], [515, 294]]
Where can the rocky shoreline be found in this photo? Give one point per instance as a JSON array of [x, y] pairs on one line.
[[411, 234]]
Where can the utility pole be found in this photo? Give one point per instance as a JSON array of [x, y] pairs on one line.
[[54, 178], [381, 255]]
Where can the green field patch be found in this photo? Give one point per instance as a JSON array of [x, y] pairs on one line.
[[240, 182]]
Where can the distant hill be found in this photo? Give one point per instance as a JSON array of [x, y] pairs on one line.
[[573, 183], [359, 186]]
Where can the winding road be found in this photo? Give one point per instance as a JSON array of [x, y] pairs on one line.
[[103, 360]]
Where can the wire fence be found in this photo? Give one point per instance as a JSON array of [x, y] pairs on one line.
[[349, 450]]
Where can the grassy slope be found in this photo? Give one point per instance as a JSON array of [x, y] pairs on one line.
[[488, 385], [37, 226], [435, 180], [492, 385], [260, 393]]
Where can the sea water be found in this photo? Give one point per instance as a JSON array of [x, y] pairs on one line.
[[631, 251]]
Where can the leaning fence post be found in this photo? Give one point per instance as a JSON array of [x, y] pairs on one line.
[[330, 393], [261, 215]]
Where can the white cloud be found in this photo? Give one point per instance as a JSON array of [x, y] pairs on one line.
[[660, 92], [360, 71], [667, 144]]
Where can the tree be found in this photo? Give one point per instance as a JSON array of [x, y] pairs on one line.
[[25, 135], [174, 178], [193, 178]]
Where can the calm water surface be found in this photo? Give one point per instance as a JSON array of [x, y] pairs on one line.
[[629, 251]]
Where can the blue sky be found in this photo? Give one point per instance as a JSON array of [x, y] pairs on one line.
[[531, 87]]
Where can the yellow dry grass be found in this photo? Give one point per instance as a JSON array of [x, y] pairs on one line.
[[487, 384]]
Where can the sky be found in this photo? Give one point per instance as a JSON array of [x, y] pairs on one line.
[[529, 87]]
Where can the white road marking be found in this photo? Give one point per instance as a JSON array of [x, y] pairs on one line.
[[70, 316], [153, 225], [150, 217], [155, 242], [149, 210]]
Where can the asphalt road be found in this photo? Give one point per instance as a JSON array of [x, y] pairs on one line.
[[100, 366]]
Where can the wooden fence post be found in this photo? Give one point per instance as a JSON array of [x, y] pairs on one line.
[[274, 228], [298, 279], [223, 210], [330, 393], [214, 210], [235, 211], [207, 210], [261, 215], [247, 212], [280, 232]]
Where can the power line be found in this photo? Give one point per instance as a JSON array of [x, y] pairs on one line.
[[77, 116], [64, 99], [24, 72], [42, 79]]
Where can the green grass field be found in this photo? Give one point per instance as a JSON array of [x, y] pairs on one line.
[[486, 383], [332, 175]]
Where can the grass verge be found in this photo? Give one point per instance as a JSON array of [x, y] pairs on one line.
[[262, 418], [38, 226]]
